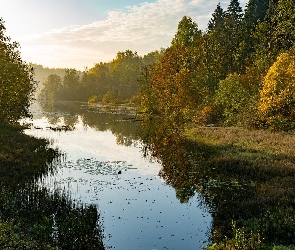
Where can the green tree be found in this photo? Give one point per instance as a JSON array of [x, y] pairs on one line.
[[51, 87], [217, 20], [71, 85], [187, 33], [216, 53], [125, 73], [16, 81], [275, 34], [276, 106], [233, 99], [233, 32], [284, 20], [254, 13]]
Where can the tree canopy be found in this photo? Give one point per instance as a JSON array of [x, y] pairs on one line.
[[16, 81], [218, 75]]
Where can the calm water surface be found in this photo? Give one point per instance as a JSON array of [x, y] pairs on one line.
[[103, 164]]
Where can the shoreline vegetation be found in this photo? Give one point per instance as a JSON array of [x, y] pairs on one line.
[[251, 176], [31, 216], [34, 217], [238, 75]]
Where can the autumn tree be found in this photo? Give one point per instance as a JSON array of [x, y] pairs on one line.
[[276, 106], [177, 82], [16, 81]]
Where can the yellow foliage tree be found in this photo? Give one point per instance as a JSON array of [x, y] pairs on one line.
[[276, 106]]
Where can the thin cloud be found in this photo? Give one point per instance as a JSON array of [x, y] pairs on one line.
[[142, 28]]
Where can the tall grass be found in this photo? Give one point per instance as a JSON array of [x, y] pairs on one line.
[[262, 166], [245, 178]]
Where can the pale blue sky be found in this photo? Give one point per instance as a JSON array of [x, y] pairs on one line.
[[79, 33], [35, 16]]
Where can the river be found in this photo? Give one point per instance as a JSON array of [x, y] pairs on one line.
[[103, 164]]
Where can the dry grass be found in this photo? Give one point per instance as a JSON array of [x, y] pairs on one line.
[[264, 158]]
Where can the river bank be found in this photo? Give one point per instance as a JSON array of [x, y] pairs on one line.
[[251, 186], [32, 217]]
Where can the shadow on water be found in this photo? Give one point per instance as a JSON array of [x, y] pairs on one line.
[[249, 192], [32, 217], [247, 188], [138, 208]]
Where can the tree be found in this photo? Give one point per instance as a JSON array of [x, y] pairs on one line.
[[177, 85], [275, 35], [217, 20], [233, 32], [232, 98], [276, 105], [16, 81], [187, 33], [284, 20], [254, 13], [51, 87], [125, 72], [216, 54], [71, 85]]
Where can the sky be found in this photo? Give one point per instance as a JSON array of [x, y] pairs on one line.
[[79, 33]]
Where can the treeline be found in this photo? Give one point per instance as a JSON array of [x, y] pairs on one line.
[[111, 82], [239, 72], [41, 73]]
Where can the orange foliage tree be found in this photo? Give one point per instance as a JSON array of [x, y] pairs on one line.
[[177, 81]]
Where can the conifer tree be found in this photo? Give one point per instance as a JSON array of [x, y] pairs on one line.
[[233, 30], [215, 51]]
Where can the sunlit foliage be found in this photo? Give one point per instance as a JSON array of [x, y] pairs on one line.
[[276, 105], [16, 81]]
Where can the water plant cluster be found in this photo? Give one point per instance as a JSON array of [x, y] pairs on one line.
[[32, 216]]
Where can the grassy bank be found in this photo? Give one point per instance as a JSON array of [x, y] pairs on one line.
[[249, 186], [32, 217]]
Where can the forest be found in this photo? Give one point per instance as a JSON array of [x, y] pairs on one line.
[[238, 72]]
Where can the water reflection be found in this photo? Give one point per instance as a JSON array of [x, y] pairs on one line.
[[104, 166], [251, 199]]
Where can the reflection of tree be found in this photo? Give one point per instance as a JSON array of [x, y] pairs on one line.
[[248, 191], [120, 122], [173, 151], [53, 111]]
